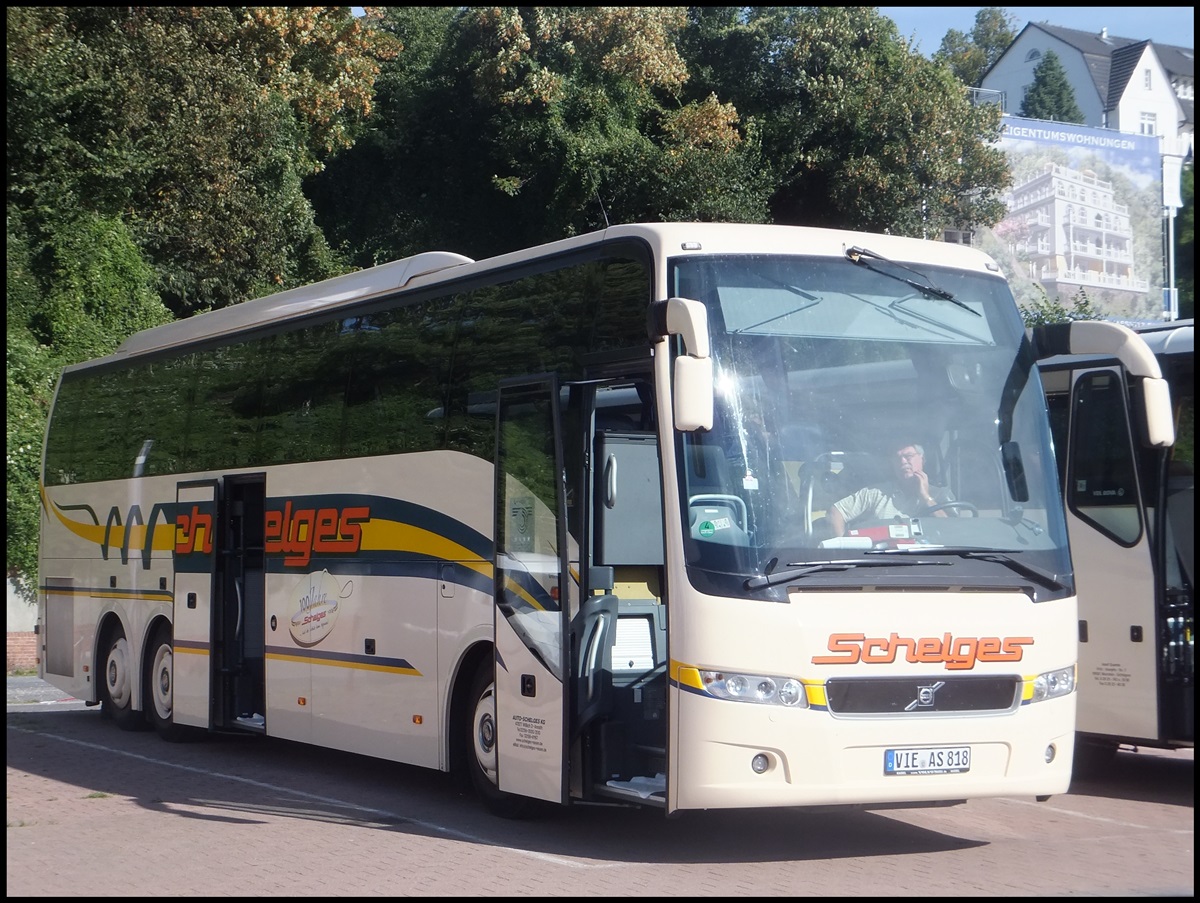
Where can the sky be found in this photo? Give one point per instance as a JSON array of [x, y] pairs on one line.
[[1175, 25]]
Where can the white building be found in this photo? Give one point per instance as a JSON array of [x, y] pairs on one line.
[[1125, 84]]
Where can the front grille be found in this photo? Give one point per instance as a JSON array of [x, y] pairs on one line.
[[922, 695]]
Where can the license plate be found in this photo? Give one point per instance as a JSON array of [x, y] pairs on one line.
[[927, 760]]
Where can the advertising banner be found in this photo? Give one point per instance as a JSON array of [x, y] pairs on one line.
[[1085, 218]]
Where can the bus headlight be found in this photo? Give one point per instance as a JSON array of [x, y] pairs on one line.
[[764, 689], [1054, 683]]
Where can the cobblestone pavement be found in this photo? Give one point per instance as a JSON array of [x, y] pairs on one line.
[[94, 811]]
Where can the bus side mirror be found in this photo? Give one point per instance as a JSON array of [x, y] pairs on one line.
[[693, 391]]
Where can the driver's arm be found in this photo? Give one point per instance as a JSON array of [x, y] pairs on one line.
[[930, 498], [836, 521]]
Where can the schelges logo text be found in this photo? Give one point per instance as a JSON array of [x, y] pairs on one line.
[[956, 653], [194, 532], [298, 533]]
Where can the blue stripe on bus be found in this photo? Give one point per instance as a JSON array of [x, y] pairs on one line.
[[342, 659], [398, 511]]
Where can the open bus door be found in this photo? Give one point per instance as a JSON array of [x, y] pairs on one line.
[[218, 641], [531, 593], [195, 575], [1113, 555]]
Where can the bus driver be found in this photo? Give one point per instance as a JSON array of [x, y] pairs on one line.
[[909, 494]]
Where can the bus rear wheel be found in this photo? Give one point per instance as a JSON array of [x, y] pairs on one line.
[[160, 688], [116, 683], [481, 744]]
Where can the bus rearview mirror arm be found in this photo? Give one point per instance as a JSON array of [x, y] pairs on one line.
[[693, 390], [1103, 337]]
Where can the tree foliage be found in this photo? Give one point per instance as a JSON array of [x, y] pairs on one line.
[[510, 127], [971, 56], [859, 130], [195, 126], [1051, 96], [1046, 310], [91, 289], [1185, 245], [513, 126]]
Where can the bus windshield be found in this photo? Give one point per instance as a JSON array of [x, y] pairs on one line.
[[834, 377]]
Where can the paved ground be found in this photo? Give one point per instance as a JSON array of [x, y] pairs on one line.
[[34, 691], [95, 811]]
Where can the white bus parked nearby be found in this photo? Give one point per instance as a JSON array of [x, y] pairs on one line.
[[1131, 518]]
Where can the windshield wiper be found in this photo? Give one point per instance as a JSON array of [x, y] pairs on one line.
[[796, 570], [813, 300], [787, 313], [1038, 575], [857, 255]]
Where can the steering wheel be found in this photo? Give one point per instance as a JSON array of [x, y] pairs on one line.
[[806, 519], [948, 506]]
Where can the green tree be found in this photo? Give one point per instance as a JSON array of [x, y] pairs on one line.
[[1185, 245], [971, 56], [857, 130], [1051, 96], [509, 127], [90, 289], [1045, 309], [194, 125]]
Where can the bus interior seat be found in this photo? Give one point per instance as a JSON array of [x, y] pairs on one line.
[[801, 445], [719, 518]]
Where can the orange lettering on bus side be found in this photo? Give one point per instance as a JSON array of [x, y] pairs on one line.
[[193, 533], [297, 533]]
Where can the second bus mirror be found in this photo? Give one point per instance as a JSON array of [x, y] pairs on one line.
[[1160, 419]]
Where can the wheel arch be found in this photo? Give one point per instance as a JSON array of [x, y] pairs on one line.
[[110, 622], [460, 703]]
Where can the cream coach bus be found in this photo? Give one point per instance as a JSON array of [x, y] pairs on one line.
[[559, 521]]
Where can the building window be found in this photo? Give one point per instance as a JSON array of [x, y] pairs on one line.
[[1146, 81], [1033, 56], [1149, 124]]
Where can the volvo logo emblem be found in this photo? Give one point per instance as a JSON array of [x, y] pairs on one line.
[[925, 696]]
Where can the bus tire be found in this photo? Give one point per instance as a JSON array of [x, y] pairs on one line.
[[116, 683], [160, 688], [480, 727]]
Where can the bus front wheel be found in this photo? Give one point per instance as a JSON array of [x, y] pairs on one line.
[[116, 684], [481, 749]]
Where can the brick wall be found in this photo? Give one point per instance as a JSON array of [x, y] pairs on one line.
[[22, 651]]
